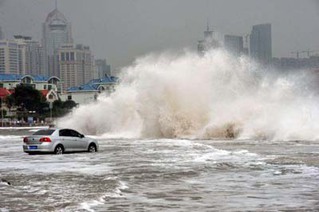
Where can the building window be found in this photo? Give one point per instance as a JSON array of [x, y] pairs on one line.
[[45, 87], [72, 56], [67, 56], [49, 87], [63, 56], [69, 97]]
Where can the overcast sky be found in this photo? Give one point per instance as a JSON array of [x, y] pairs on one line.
[[121, 30]]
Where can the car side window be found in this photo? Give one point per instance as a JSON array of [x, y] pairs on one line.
[[69, 133], [74, 133], [61, 133], [65, 133]]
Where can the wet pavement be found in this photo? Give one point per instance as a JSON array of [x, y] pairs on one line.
[[162, 175]]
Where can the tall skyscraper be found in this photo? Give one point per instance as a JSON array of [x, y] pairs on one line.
[[35, 58], [261, 43], [208, 43], [31, 56], [56, 32], [76, 65], [234, 44]]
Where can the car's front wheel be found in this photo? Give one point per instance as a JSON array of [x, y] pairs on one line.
[[92, 148], [59, 150]]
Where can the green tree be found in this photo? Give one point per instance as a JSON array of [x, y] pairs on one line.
[[27, 98], [69, 104], [61, 108], [9, 100], [57, 104]]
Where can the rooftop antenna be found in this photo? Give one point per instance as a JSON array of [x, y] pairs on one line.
[[208, 26], [56, 4]]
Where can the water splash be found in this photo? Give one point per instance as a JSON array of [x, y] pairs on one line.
[[215, 96]]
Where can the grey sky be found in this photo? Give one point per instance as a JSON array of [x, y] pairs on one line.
[[121, 30]]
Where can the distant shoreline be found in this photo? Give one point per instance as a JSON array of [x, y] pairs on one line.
[[24, 128]]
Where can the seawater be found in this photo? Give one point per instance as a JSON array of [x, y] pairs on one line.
[[162, 175], [214, 96]]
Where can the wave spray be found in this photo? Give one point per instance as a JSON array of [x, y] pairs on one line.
[[214, 96]]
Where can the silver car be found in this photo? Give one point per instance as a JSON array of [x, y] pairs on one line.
[[58, 141]]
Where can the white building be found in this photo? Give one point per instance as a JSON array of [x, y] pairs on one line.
[[33, 55], [21, 56], [89, 92], [9, 57], [31, 58]]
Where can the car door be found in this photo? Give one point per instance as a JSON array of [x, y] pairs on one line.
[[67, 140], [80, 141]]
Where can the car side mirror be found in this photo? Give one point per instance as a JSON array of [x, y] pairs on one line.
[[81, 136]]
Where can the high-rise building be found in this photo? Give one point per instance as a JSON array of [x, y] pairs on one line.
[[261, 43], [35, 58], [22, 49], [31, 55], [208, 43], [21, 56], [76, 65], [102, 69], [56, 32], [234, 44], [9, 57]]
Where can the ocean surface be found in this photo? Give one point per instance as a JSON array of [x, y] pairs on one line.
[[162, 175]]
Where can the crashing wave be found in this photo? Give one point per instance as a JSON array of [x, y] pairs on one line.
[[214, 96]]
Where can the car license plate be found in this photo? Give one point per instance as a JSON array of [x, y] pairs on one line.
[[33, 147]]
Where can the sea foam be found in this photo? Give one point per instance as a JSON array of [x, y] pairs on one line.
[[214, 96]]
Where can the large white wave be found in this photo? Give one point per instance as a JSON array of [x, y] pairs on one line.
[[214, 96]]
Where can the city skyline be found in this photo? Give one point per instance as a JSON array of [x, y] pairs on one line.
[[58, 56], [122, 31]]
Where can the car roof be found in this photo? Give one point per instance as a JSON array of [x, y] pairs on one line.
[[53, 128], [58, 129]]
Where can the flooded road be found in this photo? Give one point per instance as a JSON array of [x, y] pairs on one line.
[[162, 175]]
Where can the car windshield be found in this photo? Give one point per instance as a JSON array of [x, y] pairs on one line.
[[44, 132]]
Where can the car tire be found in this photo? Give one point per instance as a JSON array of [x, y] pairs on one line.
[[59, 150], [92, 148]]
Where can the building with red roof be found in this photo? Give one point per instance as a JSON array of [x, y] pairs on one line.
[[4, 93]]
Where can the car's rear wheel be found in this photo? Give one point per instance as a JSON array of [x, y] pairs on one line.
[[59, 150], [92, 148]]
